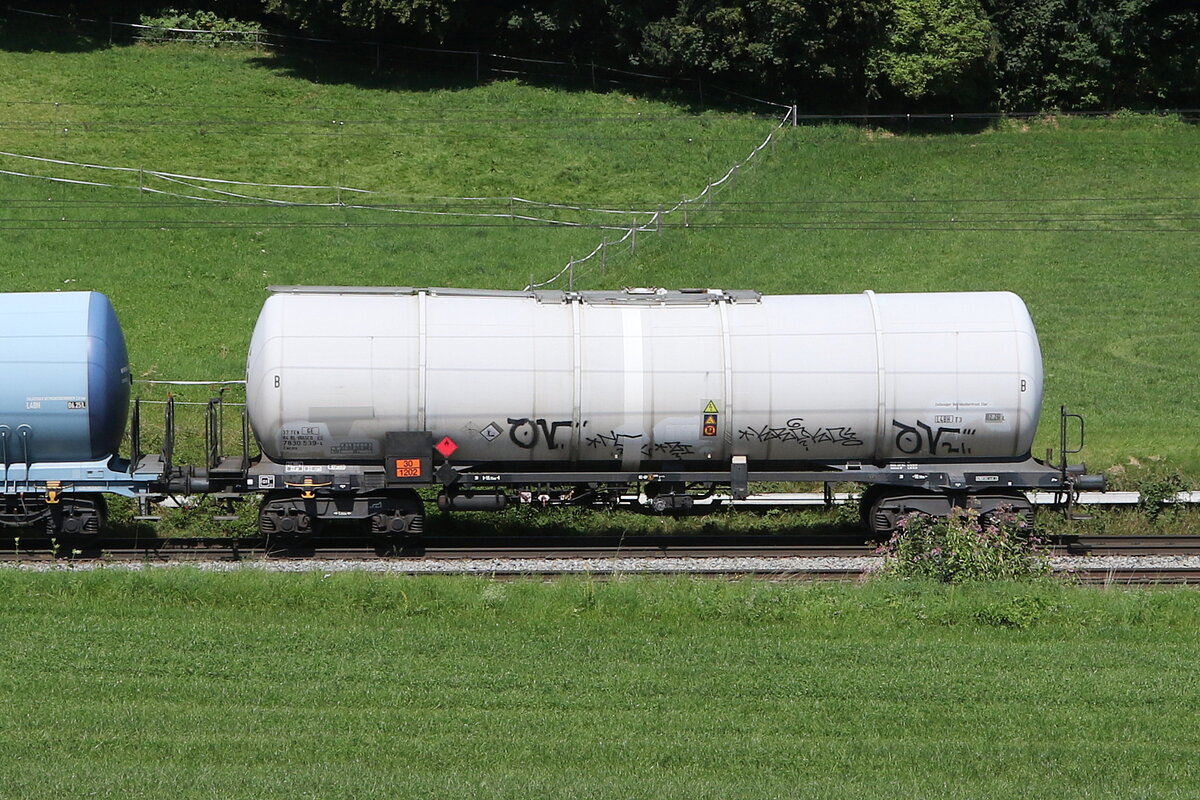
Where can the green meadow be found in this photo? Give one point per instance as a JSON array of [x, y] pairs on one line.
[[176, 683], [1096, 223]]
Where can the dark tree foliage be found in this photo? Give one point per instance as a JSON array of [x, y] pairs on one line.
[[827, 55], [421, 18], [816, 50], [126, 10], [832, 54], [938, 49], [1087, 54]]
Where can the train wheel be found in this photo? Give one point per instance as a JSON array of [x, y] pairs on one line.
[[399, 520], [285, 515], [996, 504], [883, 507], [76, 517], [397, 524]]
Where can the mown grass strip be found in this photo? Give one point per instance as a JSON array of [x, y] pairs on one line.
[[257, 685]]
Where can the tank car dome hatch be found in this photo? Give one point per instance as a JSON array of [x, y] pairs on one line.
[[65, 391], [632, 380]]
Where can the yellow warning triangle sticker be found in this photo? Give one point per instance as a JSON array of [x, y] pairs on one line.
[[711, 408]]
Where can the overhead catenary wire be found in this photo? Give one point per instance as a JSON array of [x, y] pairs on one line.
[[502, 210], [890, 217], [166, 225], [1018, 214], [169, 175], [655, 223], [194, 183], [838, 205]]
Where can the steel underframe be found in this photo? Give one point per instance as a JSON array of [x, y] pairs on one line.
[[942, 478], [75, 477]]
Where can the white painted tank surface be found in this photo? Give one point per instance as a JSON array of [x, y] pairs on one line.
[[640, 378]]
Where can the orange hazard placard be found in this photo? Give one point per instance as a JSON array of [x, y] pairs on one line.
[[408, 467]]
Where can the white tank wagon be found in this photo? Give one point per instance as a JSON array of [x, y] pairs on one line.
[[357, 394], [641, 379]]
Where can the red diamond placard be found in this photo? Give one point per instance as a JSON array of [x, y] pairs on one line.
[[446, 447]]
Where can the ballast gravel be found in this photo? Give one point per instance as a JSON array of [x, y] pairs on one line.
[[542, 566]]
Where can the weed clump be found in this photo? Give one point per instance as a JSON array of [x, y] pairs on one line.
[[965, 547], [198, 27], [1156, 493]]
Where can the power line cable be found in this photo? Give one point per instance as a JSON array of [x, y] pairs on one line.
[[434, 202], [1050, 224]]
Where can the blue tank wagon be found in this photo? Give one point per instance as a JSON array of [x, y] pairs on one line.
[[64, 403]]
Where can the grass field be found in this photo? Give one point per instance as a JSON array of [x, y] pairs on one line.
[[1093, 222], [174, 683]]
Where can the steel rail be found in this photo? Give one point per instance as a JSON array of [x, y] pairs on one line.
[[545, 547]]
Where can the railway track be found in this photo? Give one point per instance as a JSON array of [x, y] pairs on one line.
[[1089, 559], [431, 548]]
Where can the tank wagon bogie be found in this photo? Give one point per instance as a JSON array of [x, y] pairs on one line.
[[300, 512]]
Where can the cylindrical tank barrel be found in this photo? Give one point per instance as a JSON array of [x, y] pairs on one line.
[[64, 377], [641, 378]]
